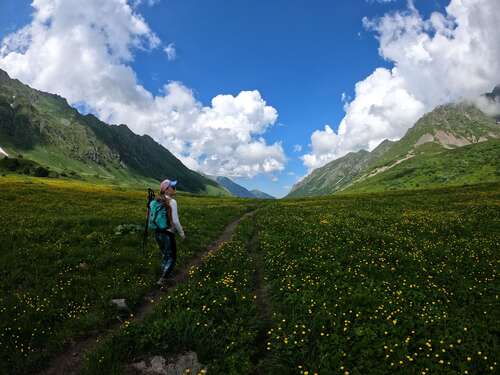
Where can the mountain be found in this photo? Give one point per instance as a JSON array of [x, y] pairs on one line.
[[337, 174], [238, 190], [446, 128], [261, 195], [232, 187], [471, 164], [43, 128]]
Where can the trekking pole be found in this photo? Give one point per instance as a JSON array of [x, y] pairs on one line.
[[151, 196]]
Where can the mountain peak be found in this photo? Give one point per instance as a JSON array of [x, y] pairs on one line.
[[4, 76], [495, 94]]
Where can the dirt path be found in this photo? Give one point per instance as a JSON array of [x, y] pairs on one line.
[[264, 310], [70, 361]]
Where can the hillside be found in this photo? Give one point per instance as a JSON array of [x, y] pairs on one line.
[[337, 174], [445, 128], [42, 127], [471, 164]]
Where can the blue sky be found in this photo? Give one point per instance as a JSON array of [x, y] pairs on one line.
[[300, 55]]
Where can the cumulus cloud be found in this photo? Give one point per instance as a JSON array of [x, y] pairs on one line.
[[297, 148], [76, 52], [171, 52], [489, 106], [447, 57]]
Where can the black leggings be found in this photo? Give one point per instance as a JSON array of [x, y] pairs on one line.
[[168, 251]]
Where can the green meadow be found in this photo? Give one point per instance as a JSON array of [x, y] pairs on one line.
[[63, 258], [399, 282]]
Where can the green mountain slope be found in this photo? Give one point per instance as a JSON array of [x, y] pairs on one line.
[[44, 128], [337, 174], [445, 128], [471, 164]]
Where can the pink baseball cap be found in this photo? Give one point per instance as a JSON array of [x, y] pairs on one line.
[[165, 184]]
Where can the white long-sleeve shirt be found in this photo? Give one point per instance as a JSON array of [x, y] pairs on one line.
[[175, 217]]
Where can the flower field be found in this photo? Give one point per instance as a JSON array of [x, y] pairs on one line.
[[62, 260], [400, 282]]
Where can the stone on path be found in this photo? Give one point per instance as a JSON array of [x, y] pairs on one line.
[[120, 303], [183, 364]]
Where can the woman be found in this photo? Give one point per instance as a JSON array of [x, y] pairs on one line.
[[166, 238]]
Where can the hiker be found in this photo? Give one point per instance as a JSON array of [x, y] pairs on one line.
[[165, 238]]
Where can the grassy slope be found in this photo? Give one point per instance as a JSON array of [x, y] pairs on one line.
[[44, 128], [462, 120], [466, 165], [61, 261]]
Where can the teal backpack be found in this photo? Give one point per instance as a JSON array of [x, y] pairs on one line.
[[158, 218]]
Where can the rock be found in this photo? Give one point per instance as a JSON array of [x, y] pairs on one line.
[[140, 366], [120, 303], [183, 364], [157, 365]]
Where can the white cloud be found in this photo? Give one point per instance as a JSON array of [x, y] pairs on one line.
[[297, 148], [488, 106], [448, 57], [171, 52], [150, 3], [75, 51]]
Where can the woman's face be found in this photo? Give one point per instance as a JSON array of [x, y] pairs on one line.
[[171, 191]]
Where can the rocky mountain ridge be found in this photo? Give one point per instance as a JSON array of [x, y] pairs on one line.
[[446, 127], [43, 127]]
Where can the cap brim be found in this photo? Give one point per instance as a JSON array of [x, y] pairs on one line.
[[173, 183]]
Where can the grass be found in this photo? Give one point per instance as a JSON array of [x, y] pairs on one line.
[[62, 262], [473, 164], [399, 282], [213, 313]]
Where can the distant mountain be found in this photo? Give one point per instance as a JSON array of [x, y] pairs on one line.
[[261, 195], [337, 174], [446, 128], [44, 128], [232, 187], [238, 190]]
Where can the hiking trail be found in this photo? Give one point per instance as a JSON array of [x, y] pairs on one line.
[[70, 360], [264, 310]]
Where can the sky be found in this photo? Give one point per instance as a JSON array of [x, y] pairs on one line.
[[260, 91]]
